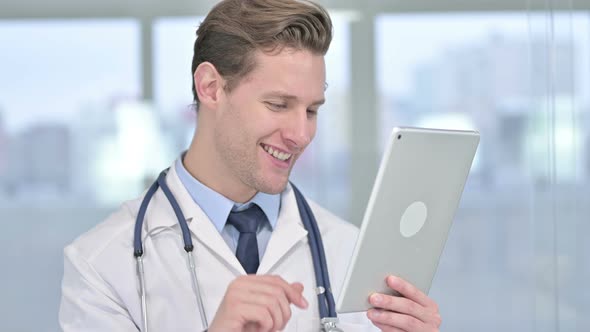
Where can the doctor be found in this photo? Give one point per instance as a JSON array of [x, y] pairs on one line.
[[259, 80]]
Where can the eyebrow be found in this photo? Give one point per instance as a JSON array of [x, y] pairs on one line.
[[283, 95]]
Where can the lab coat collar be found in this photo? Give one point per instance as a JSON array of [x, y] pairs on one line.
[[288, 232], [162, 217], [218, 207]]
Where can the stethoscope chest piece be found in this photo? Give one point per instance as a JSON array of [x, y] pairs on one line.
[[329, 324]]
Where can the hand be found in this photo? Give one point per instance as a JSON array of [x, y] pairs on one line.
[[257, 303], [414, 312]]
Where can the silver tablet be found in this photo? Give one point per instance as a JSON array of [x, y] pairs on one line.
[[414, 198]]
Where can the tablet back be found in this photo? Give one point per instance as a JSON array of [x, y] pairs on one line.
[[414, 198]]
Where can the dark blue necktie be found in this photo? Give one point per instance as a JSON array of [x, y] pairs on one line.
[[246, 222]]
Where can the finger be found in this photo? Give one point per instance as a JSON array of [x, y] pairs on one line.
[[294, 294], [268, 303], [273, 298], [394, 319], [298, 287], [256, 314], [410, 291], [270, 292], [385, 328], [251, 327], [402, 305], [265, 295]]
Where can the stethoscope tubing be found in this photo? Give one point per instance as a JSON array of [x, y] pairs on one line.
[[186, 235], [326, 304]]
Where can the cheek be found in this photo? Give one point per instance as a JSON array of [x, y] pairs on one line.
[[313, 127], [233, 120]]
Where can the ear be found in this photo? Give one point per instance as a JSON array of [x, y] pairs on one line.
[[208, 84]]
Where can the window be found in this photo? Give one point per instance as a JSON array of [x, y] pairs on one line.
[[521, 79], [60, 85]]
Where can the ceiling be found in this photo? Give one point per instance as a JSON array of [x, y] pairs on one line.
[[23, 9]]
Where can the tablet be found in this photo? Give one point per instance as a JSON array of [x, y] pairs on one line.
[[412, 205]]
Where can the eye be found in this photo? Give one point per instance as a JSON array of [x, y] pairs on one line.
[[312, 112], [275, 106]]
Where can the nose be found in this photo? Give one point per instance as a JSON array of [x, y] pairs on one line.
[[299, 131]]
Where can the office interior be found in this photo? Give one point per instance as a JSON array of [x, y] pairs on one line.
[[95, 99]]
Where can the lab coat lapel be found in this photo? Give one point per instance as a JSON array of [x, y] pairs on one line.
[[207, 234], [201, 226], [288, 233]]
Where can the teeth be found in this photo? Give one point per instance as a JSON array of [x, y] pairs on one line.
[[277, 154]]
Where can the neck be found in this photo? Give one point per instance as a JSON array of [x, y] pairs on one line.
[[205, 165]]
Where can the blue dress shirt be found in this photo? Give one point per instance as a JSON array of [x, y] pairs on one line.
[[217, 207]]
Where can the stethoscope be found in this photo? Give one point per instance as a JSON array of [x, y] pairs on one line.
[[327, 307]]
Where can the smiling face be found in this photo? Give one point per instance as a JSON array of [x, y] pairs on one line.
[[265, 123]]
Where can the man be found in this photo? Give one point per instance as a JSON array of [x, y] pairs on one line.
[[259, 79]]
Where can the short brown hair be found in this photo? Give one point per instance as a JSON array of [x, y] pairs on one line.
[[234, 29]]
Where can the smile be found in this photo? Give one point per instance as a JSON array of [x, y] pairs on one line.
[[282, 156]]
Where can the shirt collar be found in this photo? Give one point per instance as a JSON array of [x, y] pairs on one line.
[[217, 207]]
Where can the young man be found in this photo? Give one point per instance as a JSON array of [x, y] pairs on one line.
[[259, 79]]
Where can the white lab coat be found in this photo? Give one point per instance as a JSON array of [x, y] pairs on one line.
[[100, 286]]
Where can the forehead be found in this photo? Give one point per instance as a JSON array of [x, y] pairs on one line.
[[298, 72]]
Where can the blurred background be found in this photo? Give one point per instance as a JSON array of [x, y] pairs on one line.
[[95, 99]]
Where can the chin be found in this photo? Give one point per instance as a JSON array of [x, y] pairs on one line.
[[273, 187]]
